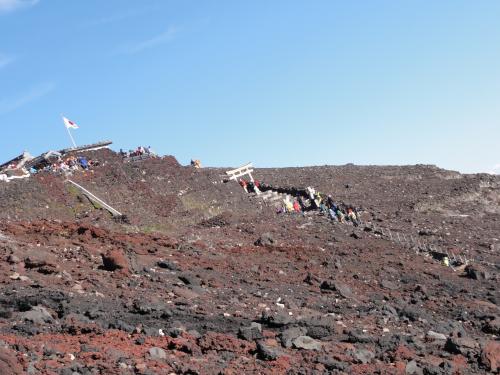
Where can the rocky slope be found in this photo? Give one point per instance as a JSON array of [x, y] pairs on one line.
[[206, 279]]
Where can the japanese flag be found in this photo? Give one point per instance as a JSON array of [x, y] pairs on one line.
[[69, 124]]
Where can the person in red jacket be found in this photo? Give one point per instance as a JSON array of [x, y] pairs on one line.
[[244, 184], [296, 206]]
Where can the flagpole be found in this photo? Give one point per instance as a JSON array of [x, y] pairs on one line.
[[72, 139], [69, 133]]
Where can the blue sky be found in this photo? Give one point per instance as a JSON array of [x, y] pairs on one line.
[[279, 83]]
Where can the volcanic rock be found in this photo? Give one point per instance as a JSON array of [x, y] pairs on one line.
[[266, 239], [435, 336], [490, 356], [38, 315], [9, 365], [278, 319], [306, 343], [477, 272], [460, 345], [492, 326], [364, 356], [253, 332], [413, 369], [290, 334], [167, 265], [267, 352], [115, 260], [157, 353]]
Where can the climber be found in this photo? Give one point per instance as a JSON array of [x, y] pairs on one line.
[[296, 206], [83, 162], [352, 216], [340, 215], [244, 184]]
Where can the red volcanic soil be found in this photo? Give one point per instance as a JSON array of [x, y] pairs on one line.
[[184, 286]]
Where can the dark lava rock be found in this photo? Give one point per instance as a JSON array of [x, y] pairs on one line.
[[389, 285], [490, 356], [167, 265], [332, 364], [358, 336], [356, 236], [12, 259], [157, 353], [306, 343], [266, 239], [411, 312], [318, 332], [290, 334], [38, 315], [122, 326], [477, 272], [338, 287], [251, 333], [279, 319], [492, 326], [413, 369], [364, 356], [311, 279], [189, 279], [266, 352], [460, 345]]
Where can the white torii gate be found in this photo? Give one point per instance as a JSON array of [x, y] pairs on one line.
[[246, 170], [237, 173]]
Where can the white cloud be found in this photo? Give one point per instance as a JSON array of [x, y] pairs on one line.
[[5, 60], [11, 5], [9, 105], [162, 38]]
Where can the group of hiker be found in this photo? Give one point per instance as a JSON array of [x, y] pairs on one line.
[[306, 200], [139, 151], [67, 166], [252, 186], [195, 163]]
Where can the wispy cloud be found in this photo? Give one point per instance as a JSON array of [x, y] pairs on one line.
[[12, 5], [9, 105], [165, 37], [131, 13], [5, 60]]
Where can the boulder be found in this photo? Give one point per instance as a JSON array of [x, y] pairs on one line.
[[477, 272], [460, 345], [156, 353], [413, 369], [387, 284], [38, 315], [290, 334], [276, 320], [266, 239], [267, 352], [490, 356], [306, 343], [251, 333], [338, 287], [167, 265], [435, 335], [364, 356], [358, 336], [492, 326]]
